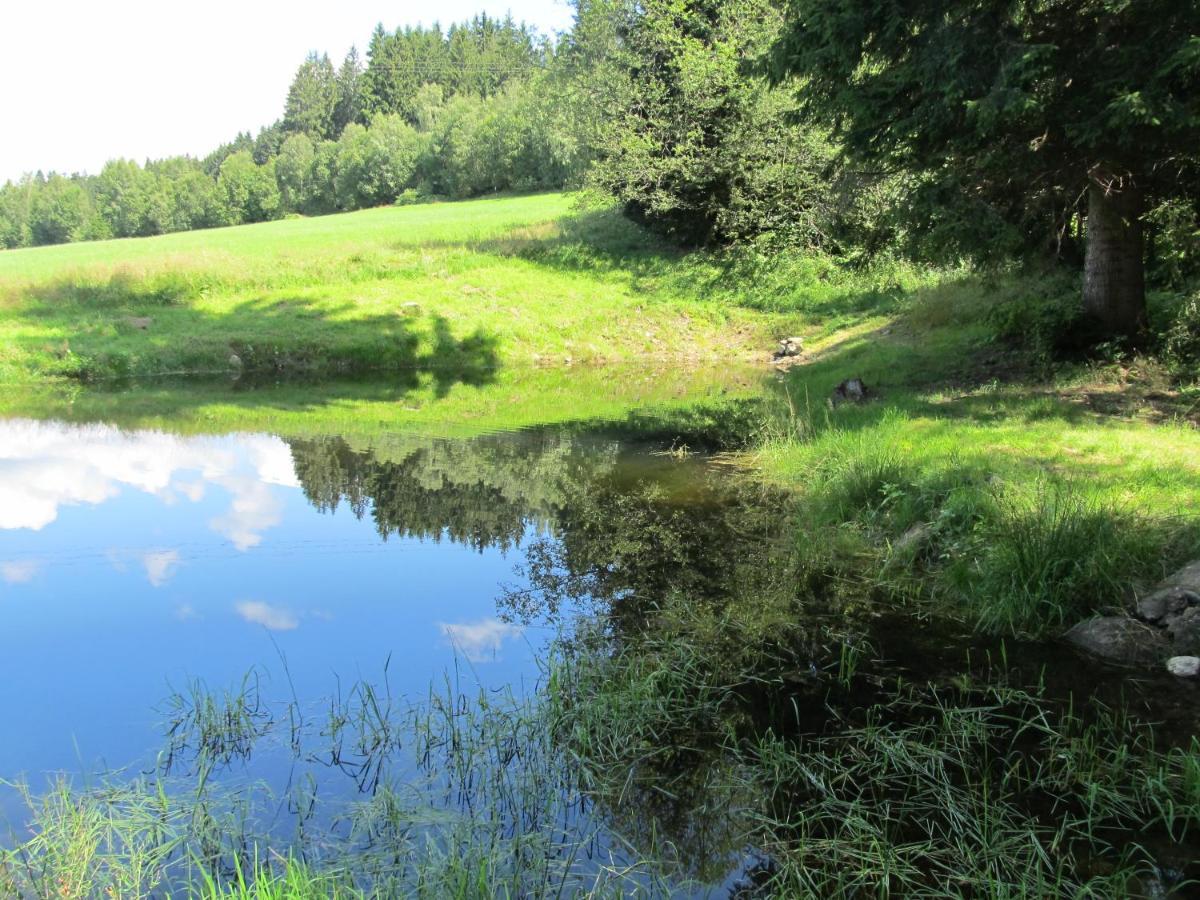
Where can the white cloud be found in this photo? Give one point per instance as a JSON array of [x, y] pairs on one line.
[[186, 612], [253, 511], [273, 618], [45, 466], [480, 641], [19, 571], [160, 566]]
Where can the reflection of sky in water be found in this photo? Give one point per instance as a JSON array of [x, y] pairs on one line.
[[132, 559]]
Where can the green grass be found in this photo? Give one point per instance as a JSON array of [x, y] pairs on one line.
[[1019, 500], [468, 286]]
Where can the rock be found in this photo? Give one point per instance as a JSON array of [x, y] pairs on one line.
[[1120, 639], [788, 347], [1165, 603], [852, 390], [1184, 666], [912, 540], [235, 361], [1188, 577], [1184, 630]]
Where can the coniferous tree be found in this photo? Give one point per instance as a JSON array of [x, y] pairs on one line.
[[349, 106], [1028, 106], [312, 99]]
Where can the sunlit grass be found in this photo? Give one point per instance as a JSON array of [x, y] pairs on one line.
[[479, 283]]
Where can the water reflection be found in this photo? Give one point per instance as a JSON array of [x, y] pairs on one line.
[[148, 557], [45, 466]]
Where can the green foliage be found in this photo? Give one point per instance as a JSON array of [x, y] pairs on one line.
[[1175, 249], [250, 189], [1045, 319], [687, 141], [375, 165], [1182, 340], [62, 211], [313, 99], [1012, 104], [294, 172]]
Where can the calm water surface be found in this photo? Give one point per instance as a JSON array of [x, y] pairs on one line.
[[132, 560], [136, 561]]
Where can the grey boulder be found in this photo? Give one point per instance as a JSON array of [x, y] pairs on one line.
[[1119, 639]]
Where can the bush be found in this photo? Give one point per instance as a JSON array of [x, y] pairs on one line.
[[1048, 322], [1175, 256], [1181, 343]]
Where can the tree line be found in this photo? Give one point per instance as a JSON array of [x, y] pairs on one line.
[[430, 113], [971, 129]]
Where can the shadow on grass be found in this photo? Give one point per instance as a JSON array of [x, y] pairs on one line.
[[605, 242], [283, 337]]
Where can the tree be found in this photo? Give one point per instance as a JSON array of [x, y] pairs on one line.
[[16, 211], [690, 144], [293, 170], [312, 99], [122, 197], [1030, 106], [250, 190], [375, 165], [349, 106], [62, 211]]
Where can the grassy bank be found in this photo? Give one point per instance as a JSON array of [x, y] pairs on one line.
[[468, 286], [1020, 495]]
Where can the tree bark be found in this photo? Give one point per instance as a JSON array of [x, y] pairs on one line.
[[1114, 285]]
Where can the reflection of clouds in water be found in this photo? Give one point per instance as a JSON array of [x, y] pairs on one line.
[[480, 641], [19, 571], [160, 566], [273, 618], [253, 511], [46, 465]]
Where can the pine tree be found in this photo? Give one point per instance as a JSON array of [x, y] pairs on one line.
[[349, 93], [312, 99]]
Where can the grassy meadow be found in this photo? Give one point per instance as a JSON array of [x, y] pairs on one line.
[[452, 285]]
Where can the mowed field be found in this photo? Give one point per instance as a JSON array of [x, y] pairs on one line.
[[476, 284]]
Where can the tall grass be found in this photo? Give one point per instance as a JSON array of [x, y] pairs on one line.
[[462, 794], [1059, 556]]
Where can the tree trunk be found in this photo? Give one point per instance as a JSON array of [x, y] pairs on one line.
[[1114, 287]]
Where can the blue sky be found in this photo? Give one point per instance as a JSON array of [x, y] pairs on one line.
[[85, 82]]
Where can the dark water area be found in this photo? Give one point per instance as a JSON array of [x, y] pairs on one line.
[[142, 568]]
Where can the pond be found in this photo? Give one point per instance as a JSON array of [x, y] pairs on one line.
[[535, 647]]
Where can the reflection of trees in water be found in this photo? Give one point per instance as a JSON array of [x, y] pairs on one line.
[[484, 492], [649, 545], [634, 536]]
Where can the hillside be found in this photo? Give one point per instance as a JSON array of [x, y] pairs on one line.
[[473, 285]]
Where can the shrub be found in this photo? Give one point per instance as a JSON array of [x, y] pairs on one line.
[[1181, 343], [1048, 322]]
